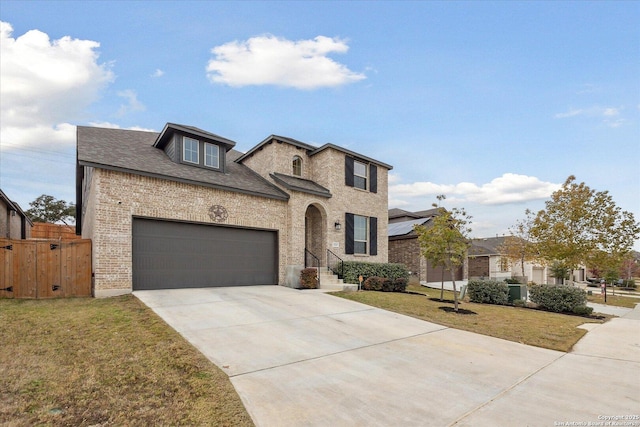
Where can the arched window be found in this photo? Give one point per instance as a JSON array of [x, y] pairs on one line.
[[297, 166]]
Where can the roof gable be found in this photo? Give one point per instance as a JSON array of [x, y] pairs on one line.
[[11, 205], [311, 150], [171, 128]]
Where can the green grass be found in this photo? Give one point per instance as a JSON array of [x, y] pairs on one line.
[[617, 300], [534, 327], [105, 362]]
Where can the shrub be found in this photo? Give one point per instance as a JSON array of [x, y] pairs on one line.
[[488, 292], [631, 283], [582, 310], [400, 284], [375, 283], [512, 281], [354, 269], [309, 278], [558, 298]]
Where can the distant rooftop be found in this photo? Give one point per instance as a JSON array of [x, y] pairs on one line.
[[405, 227]]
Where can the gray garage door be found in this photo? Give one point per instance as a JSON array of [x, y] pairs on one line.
[[169, 255]]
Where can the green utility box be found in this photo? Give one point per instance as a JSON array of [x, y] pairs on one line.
[[517, 291]]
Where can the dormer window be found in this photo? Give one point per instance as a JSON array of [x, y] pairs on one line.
[[297, 166], [202, 154], [190, 150], [211, 155]]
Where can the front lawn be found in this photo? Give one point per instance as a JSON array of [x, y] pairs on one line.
[[534, 327], [617, 300], [113, 361]]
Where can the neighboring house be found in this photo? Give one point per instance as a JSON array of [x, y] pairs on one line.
[[183, 208], [14, 223], [404, 247], [486, 260]]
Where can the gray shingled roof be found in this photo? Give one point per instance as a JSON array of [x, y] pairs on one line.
[[486, 246], [405, 227], [398, 213], [133, 151], [167, 132], [300, 184]]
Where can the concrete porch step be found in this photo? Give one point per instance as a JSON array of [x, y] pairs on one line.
[[338, 287], [329, 281]]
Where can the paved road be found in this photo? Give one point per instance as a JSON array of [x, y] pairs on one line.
[[305, 358]]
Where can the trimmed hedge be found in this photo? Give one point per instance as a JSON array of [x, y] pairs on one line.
[[488, 292], [558, 298], [583, 310], [354, 269], [383, 284], [309, 278]]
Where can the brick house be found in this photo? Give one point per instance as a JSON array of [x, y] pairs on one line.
[[405, 249], [183, 208], [14, 223]]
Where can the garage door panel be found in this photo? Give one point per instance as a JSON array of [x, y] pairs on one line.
[[178, 255]]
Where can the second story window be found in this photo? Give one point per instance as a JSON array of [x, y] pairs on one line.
[[190, 150], [359, 175], [211, 155], [297, 166]]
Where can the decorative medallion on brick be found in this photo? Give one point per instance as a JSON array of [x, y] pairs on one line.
[[218, 213]]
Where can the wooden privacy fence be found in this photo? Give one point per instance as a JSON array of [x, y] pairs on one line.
[[44, 230], [45, 268]]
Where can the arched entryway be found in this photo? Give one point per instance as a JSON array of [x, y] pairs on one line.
[[315, 232]]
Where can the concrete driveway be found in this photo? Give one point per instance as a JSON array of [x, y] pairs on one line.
[[305, 358]]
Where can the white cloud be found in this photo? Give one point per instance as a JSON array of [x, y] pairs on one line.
[[270, 60], [44, 84], [571, 113], [157, 73], [110, 125], [506, 189], [608, 115], [132, 105]]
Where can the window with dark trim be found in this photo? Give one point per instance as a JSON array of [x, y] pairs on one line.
[[361, 234], [359, 174], [202, 154], [190, 150], [297, 166], [211, 155]]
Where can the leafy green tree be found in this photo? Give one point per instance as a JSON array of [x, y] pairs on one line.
[[445, 241], [559, 271], [437, 259], [518, 247], [48, 209], [583, 226]]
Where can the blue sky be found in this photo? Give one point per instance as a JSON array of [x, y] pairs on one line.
[[493, 104]]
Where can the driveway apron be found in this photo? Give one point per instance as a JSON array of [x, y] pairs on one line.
[[305, 358]]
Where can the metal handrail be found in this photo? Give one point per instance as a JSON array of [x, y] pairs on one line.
[[335, 264]]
